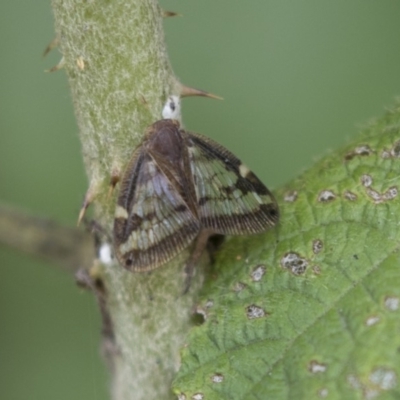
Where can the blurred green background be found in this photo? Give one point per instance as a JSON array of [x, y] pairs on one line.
[[298, 77]]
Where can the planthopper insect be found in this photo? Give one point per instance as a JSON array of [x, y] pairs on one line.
[[180, 188]]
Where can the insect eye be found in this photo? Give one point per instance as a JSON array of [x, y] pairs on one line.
[[274, 212], [128, 262]]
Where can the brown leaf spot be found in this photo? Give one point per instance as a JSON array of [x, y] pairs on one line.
[[293, 262], [254, 312], [354, 381], [209, 303], [290, 196], [326, 196], [372, 320], [317, 246], [201, 314], [258, 272], [217, 378], [349, 195], [202, 310], [374, 195], [238, 287], [363, 150], [315, 367], [366, 180], [385, 154], [323, 393], [316, 269], [383, 378], [390, 194], [395, 152], [392, 303]]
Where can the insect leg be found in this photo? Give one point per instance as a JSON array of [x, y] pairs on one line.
[[200, 245]]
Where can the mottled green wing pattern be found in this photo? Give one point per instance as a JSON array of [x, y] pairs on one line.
[[152, 222], [311, 309], [231, 199]]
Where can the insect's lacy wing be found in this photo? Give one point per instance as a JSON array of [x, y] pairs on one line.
[[152, 222], [231, 199]]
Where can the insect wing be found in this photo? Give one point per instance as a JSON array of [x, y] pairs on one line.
[[152, 222], [231, 199]]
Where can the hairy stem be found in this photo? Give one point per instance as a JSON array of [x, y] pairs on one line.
[[119, 74]]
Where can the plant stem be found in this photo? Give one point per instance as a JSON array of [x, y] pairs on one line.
[[117, 65]]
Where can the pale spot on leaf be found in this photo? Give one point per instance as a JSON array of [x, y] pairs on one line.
[[395, 152], [374, 195], [238, 287], [362, 150], [392, 303], [254, 312], [293, 262], [366, 180], [326, 196], [354, 382], [291, 196], [258, 273], [217, 378], [372, 320], [323, 393], [384, 378], [315, 367], [316, 269], [391, 193], [317, 246], [385, 154], [349, 195]]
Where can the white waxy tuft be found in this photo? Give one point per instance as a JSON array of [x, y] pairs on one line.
[[105, 254], [172, 108]]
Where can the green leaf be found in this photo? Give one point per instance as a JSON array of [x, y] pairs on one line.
[[310, 309]]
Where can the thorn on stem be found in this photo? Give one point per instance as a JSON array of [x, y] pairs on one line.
[[53, 44], [57, 67], [167, 14], [186, 91], [89, 197], [115, 177]]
